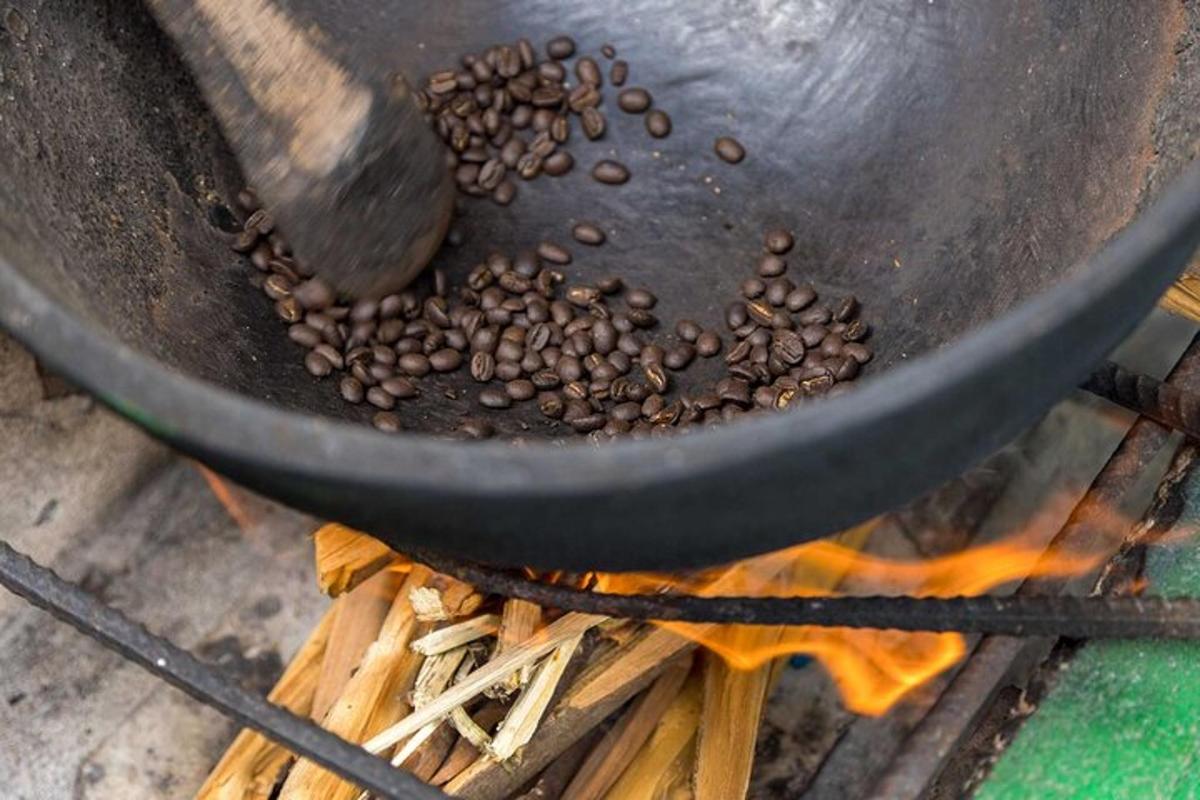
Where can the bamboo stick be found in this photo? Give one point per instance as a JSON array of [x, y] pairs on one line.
[[603, 686], [376, 691], [522, 720], [346, 558], [250, 765], [358, 617], [663, 766], [617, 749], [559, 631]]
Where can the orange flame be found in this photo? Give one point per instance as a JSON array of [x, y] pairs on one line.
[[873, 669]]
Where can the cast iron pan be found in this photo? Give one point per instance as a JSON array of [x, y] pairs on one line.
[[968, 170]]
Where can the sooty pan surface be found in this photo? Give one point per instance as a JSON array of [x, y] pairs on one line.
[[943, 162]]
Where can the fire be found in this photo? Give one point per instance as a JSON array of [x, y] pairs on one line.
[[872, 669]]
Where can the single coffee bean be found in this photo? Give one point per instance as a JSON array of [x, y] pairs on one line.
[[856, 331], [387, 422], [733, 390], [351, 389], [569, 368], [494, 398], [652, 405], [800, 298], [379, 398], [314, 294], [304, 335], [414, 364], [550, 404], [760, 312], [576, 390], [520, 389], [575, 409], [610, 285], [634, 101], [679, 357], [554, 253], [331, 355], [739, 352], [593, 123], [736, 315], [813, 335], [771, 266], [560, 129], [529, 166], [604, 337], [753, 287], [445, 360], [560, 163], [626, 412], [618, 73], [508, 370], [658, 124], [560, 47], [688, 330], [815, 315], [789, 347], [640, 299], [474, 428], [708, 344], [582, 296], [317, 365], [610, 172], [508, 350], [777, 292], [587, 233], [582, 97], [399, 387], [729, 149], [759, 337], [656, 377], [846, 309], [588, 71], [491, 174], [589, 423], [651, 354], [818, 385], [778, 241], [846, 370], [859, 352], [546, 379]]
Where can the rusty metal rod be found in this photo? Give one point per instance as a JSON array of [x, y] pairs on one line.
[[1176, 408]]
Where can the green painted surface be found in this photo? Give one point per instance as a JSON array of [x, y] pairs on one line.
[[1124, 719]]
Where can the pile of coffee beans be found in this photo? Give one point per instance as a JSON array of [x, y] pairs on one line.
[[591, 354], [507, 113]]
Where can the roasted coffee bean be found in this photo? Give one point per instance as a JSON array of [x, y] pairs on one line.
[[538, 337], [708, 344], [331, 355], [508, 370], [399, 387], [545, 379], [610, 285], [856, 331], [587, 233], [621, 362], [619, 73], [531, 362], [560, 129], [679, 357], [580, 343], [583, 97], [491, 174], [789, 347], [569, 368], [778, 241], [629, 344], [588, 71], [729, 149], [626, 412], [560, 47], [474, 428], [753, 287], [846, 369], [736, 315], [520, 389], [559, 163], [387, 422], [733, 390], [379, 398], [589, 423], [304, 335], [554, 253], [759, 337], [352, 390], [521, 117], [859, 352], [652, 405], [688, 330], [634, 101], [845, 311], [593, 123], [817, 385], [245, 241], [800, 298], [550, 404], [582, 296], [314, 294], [658, 124], [656, 377], [760, 312], [317, 365], [445, 360], [547, 97], [641, 318], [529, 166], [466, 174], [610, 172], [813, 335], [277, 287], [739, 352], [640, 299], [651, 354], [576, 390], [575, 409], [814, 315], [414, 364], [494, 398], [777, 292], [604, 337], [771, 266], [508, 350], [669, 414], [508, 62]]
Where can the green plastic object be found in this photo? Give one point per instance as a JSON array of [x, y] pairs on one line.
[[1123, 720]]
